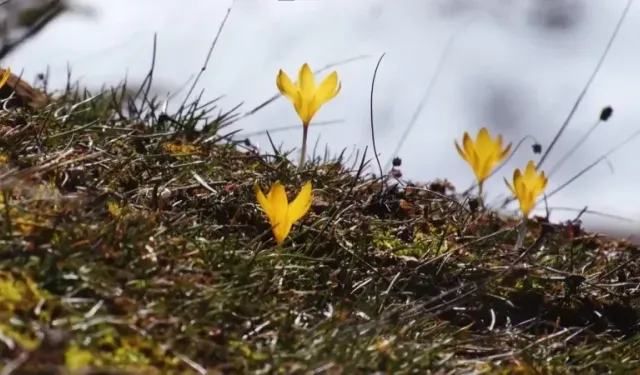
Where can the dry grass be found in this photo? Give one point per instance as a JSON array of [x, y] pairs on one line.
[[138, 246]]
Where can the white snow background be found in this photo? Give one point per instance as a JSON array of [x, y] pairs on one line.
[[514, 66]]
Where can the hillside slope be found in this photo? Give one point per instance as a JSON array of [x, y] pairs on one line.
[[137, 244]]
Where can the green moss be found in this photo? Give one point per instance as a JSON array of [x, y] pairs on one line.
[[422, 243], [19, 292], [76, 358], [21, 336]]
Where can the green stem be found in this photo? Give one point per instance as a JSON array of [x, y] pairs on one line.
[[522, 232], [303, 151], [480, 191]]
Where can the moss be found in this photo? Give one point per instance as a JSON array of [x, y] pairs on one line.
[[20, 336], [77, 358], [18, 292]]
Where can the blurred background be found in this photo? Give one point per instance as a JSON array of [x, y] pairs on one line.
[[514, 66]]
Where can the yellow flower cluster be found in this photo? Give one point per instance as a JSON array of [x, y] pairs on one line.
[[486, 153], [483, 154], [307, 98]]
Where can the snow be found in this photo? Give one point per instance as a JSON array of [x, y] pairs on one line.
[[506, 68]]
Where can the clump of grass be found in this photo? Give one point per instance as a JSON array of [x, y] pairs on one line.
[[136, 243]]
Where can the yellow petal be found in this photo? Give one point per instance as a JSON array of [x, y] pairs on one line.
[[469, 150], [520, 185], [5, 76], [286, 86], [303, 110], [526, 203], [299, 207], [531, 169], [328, 89], [263, 201], [509, 186], [306, 82], [281, 232], [540, 184], [460, 152], [270, 193], [484, 143], [544, 181], [469, 147], [517, 181], [474, 161], [506, 152], [523, 192], [484, 169], [278, 199], [280, 208], [499, 142]]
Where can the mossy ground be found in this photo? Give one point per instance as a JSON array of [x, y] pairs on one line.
[[140, 247]]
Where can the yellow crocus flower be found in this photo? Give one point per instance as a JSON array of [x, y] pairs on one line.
[[307, 98], [484, 154], [527, 187], [280, 212]]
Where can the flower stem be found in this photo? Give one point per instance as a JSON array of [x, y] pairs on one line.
[[303, 150], [522, 232], [480, 191]]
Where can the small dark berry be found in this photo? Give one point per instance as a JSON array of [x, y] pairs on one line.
[[606, 113], [397, 162], [537, 148]]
